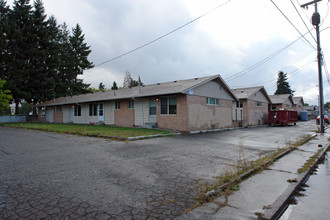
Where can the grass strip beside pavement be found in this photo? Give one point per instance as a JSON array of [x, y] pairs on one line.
[[90, 130]]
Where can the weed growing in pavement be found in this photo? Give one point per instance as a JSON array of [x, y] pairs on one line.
[[229, 180], [309, 162]]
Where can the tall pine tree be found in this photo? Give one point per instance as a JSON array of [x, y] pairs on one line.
[[283, 86], [40, 60]]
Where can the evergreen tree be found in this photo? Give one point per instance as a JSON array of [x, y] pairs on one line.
[[5, 97], [19, 40], [114, 86], [102, 87], [40, 60], [79, 60], [283, 86]]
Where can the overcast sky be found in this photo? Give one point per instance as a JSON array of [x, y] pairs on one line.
[[231, 41]]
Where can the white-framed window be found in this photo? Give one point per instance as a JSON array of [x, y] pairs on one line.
[[168, 106], [131, 104], [77, 110], [43, 112], [239, 104], [258, 103], [117, 105], [92, 109], [212, 101]]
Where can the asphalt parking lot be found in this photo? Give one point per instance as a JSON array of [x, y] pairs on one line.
[[56, 176]]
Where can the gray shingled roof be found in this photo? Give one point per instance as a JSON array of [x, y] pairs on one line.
[[297, 99], [246, 93], [167, 88], [279, 99]]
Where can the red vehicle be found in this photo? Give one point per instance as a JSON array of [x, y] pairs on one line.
[[325, 117], [282, 117]]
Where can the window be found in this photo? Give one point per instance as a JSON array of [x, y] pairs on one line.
[[239, 104], [77, 110], [212, 101], [92, 109], [131, 104], [258, 103], [152, 107], [43, 112], [117, 105], [168, 106], [101, 109]]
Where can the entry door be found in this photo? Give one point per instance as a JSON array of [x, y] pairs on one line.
[[71, 113], [100, 112], [152, 111]]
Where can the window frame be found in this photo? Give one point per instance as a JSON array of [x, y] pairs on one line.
[[93, 109], [169, 108], [258, 103], [130, 104], [117, 105], [209, 102], [77, 110]]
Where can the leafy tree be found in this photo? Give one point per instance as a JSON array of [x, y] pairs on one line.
[[114, 86], [26, 108], [127, 80], [327, 105], [283, 86], [5, 97]]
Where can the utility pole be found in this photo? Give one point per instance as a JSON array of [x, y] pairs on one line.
[[316, 21]]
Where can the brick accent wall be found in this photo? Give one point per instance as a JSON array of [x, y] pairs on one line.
[[58, 115], [174, 122], [203, 116], [124, 116]]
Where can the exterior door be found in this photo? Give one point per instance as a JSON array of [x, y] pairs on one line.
[[153, 111], [71, 114], [100, 112]]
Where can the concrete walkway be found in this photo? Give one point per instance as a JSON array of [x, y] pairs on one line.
[[267, 192]]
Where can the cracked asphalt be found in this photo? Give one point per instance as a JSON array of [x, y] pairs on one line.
[[55, 176]]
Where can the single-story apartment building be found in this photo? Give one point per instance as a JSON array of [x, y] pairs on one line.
[[252, 107], [283, 101], [183, 105]]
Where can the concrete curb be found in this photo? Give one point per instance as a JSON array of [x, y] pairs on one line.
[[252, 171], [281, 204], [152, 136]]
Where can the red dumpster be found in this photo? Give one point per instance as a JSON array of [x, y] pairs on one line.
[[282, 117]]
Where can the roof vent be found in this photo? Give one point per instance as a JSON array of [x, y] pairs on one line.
[[196, 78], [242, 91], [158, 83], [175, 81]]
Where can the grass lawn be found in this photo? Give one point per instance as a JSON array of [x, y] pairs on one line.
[[90, 130]]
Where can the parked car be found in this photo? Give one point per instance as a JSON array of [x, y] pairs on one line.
[[326, 119]]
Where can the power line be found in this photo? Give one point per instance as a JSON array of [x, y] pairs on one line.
[[292, 24], [303, 20], [256, 65], [158, 38]]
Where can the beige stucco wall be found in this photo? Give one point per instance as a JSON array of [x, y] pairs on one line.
[[84, 113], [109, 109], [202, 116], [211, 89], [66, 113]]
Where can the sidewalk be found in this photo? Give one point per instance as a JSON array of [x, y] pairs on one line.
[[267, 192]]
